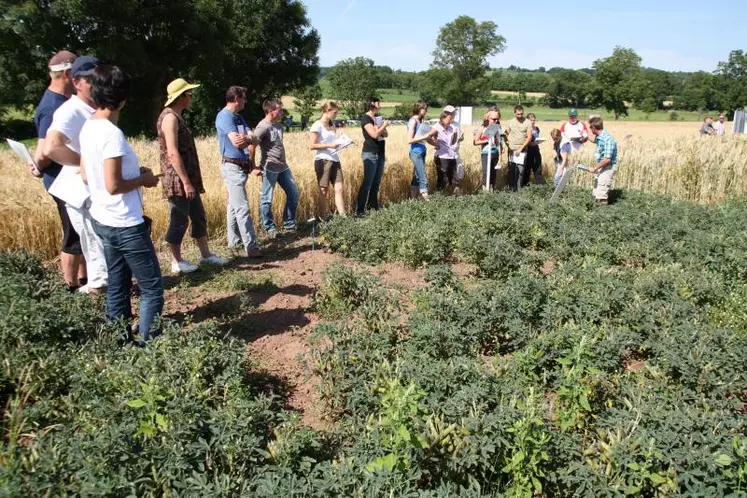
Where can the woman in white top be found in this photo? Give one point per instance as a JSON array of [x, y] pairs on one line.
[[114, 177], [324, 141]]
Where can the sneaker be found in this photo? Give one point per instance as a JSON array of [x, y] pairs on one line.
[[292, 229], [254, 254], [183, 266], [214, 259], [273, 234], [83, 289]]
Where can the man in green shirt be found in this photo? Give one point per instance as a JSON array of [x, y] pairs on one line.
[[519, 133]]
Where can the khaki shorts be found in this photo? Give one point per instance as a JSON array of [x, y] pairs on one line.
[[327, 172]]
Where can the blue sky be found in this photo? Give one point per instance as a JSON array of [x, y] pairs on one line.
[[685, 35]]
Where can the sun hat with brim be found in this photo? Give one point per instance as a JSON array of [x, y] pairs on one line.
[[176, 88], [62, 61], [450, 109], [573, 112]]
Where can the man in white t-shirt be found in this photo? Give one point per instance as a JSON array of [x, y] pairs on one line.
[[63, 146], [573, 135], [720, 125]]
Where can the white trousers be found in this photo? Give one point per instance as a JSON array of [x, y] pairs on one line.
[[90, 244]]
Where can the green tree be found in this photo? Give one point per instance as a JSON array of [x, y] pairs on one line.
[[462, 48], [698, 93], [269, 47], [613, 84], [307, 101], [568, 88], [733, 80], [351, 82]]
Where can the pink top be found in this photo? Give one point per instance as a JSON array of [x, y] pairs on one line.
[[444, 149]]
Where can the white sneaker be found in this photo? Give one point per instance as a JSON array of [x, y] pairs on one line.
[[83, 289], [214, 259], [183, 266]]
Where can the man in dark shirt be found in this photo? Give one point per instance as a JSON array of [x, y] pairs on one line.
[[60, 89]]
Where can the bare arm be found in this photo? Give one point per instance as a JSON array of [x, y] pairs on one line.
[[314, 143], [114, 182], [375, 131], [83, 175], [56, 149], [527, 141], [604, 162], [477, 140], [42, 161]]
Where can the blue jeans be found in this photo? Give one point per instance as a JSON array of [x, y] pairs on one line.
[[419, 177], [288, 184], [129, 251], [373, 170]]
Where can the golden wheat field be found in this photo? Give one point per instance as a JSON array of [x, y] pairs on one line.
[[668, 158]]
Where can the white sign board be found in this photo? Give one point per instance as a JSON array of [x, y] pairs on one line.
[[463, 116]]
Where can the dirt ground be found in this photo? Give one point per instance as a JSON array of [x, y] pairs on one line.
[[269, 304]]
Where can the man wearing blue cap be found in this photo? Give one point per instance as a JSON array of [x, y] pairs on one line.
[[63, 146]]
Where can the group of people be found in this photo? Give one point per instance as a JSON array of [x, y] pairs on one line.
[[519, 138], [106, 237], [717, 128]]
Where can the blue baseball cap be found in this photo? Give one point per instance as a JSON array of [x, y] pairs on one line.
[[84, 66]]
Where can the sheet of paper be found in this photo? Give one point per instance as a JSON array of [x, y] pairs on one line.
[[344, 141], [561, 184], [519, 158], [583, 167], [69, 187], [539, 140], [378, 121], [423, 130], [21, 151]]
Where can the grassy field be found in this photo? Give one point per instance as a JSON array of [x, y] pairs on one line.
[[391, 97], [665, 158]]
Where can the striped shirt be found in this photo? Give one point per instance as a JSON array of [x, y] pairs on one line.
[[606, 148]]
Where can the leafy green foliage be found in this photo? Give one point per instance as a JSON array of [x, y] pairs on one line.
[[596, 352], [271, 51], [351, 82]]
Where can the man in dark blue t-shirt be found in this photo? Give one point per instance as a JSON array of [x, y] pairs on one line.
[[60, 89]]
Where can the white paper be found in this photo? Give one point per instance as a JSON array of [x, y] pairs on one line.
[[539, 140], [69, 187], [423, 130], [21, 151], [583, 167], [518, 158], [343, 141], [561, 184], [378, 121]]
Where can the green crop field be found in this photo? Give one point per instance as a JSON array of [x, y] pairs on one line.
[[522, 349]]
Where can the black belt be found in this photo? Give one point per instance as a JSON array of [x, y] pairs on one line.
[[237, 162]]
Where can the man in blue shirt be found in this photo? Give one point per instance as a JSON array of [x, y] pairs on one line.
[[605, 155], [59, 91], [234, 136]]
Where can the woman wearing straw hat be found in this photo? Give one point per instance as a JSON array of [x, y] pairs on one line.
[[182, 180]]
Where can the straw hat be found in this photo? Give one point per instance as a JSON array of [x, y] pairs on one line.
[[176, 88]]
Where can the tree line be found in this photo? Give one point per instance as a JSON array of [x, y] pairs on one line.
[[460, 75], [271, 48]]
